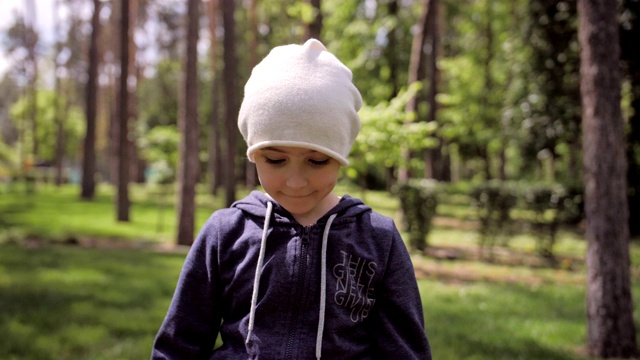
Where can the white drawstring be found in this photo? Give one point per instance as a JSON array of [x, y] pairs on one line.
[[256, 280], [323, 286], [323, 280]]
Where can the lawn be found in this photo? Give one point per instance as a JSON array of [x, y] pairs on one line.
[[76, 284], [59, 214], [68, 302]]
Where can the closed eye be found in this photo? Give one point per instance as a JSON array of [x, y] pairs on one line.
[[274, 161], [319, 162]]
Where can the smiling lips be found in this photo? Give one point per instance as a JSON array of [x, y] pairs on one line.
[[297, 196]]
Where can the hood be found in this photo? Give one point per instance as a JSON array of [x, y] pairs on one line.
[[255, 205]]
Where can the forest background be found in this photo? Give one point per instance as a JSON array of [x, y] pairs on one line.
[[481, 96]]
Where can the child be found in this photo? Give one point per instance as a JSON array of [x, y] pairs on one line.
[[298, 272]]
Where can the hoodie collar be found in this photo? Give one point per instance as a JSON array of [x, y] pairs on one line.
[[255, 204]]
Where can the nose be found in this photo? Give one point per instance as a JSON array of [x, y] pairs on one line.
[[296, 179]]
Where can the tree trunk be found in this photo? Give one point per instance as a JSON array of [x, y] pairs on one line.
[[123, 123], [89, 144], [610, 328], [188, 124], [113, 95], [434, 160], [416, 63], [502, 151], [483, 153], [391, 50], [314, 29], [58, 115], [215, 126], [136, 164], [32, 41], [488, 87], [502, 161], [230, 75], [251, 175]]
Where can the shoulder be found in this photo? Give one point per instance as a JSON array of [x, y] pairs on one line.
[[222, 223], [225, 217], [382, 221], [378, 223], [354, 209], [369, 234]]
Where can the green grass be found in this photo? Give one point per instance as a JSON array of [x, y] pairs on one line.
[[69, 302], [499, 321], [64, 302], [59, 214]]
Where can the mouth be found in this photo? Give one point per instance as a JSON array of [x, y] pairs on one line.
[[296, 196]]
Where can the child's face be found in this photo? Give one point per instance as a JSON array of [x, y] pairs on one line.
[[300, 180]]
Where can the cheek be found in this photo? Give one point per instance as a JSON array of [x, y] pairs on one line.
[[326, 179], [268, 179], [262, 176]]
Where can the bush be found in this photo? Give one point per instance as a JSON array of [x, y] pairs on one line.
[[493, 201], [544, 200], [552, 205], [571, 204], [418, 203]]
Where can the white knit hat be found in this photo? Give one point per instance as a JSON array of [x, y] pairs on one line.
[[301, 96]]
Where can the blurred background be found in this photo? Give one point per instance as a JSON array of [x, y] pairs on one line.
[[118, 134]]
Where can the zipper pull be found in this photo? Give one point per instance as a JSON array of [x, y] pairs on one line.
[[305, 234]]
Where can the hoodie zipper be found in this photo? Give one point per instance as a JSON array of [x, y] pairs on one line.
[[302, 274]]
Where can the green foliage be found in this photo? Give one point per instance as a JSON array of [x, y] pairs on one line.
[[383, 128], [278, 22], [159, 147], [545, 200], [8, 161], [552, 205], [571, 204], [418, 202], [494, 201], [158, 99], [302, 11], [553, 104], [360, 33], [485, 67], [73, 122], [463, 111]]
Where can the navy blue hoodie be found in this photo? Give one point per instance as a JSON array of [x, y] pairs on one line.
[[370, 308]]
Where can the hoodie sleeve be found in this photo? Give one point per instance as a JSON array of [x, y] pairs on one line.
[[399, 317], [190, 328]]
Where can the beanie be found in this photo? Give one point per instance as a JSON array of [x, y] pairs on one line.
[[301, 96]]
